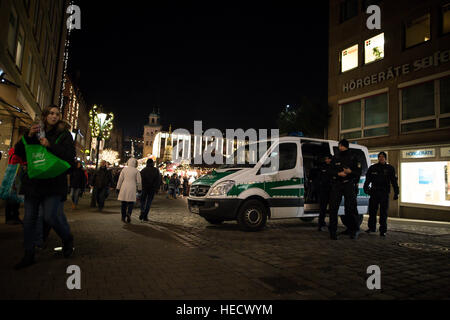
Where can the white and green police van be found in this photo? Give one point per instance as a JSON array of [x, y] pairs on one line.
[[251, 193]]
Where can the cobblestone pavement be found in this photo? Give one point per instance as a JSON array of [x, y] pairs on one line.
[[179, 256]]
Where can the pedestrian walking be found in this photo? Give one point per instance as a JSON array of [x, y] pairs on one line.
[[77, 183], [12, 199], [151, 180], [185, 186], [129, 182], [48, 193], [346, 174], [174, 184], [379, 179], [102, 181], [325, 179]]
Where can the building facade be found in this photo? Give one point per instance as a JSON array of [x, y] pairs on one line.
[[151, 130], [389, 90], [75, 112], [32, 38]]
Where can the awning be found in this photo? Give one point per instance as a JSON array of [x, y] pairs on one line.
[[9, 104]]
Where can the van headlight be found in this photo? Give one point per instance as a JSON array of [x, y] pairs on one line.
[[221, 189]]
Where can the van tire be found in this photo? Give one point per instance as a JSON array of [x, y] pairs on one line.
[[214, 221], [252, 216], [307, 219]]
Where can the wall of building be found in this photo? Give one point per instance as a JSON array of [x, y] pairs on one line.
[[424, 62]]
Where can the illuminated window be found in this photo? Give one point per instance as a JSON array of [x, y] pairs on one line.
[[349, 58], [426, 183], [446, 18], [374, 48], [417, 31]]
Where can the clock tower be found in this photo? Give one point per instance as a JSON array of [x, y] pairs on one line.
[[150, 131]]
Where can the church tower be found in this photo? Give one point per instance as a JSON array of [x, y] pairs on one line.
[[150, 131]]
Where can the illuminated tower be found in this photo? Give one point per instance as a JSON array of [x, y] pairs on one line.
[[150, 131]]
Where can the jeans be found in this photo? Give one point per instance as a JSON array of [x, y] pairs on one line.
[[127, 209], [52, 214], [101, 197], [75, 195], [146, 202]]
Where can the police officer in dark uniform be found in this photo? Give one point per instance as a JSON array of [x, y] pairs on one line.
[[346, 174], [379, 178], [325, 178]]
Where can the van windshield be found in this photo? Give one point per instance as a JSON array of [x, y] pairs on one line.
[[246, 156]]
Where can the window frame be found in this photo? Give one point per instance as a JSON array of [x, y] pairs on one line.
[[362, 128], [12, 51], [437, 105], [341, 18], [364, 53], [441, 27], [340, 59], [413, 17]]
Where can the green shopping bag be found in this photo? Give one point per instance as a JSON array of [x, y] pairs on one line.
[[41, 163]]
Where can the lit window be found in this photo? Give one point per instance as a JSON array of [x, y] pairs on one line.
[[446, 18], [349, 58], [374, 48], [417, 31], [426, 183]]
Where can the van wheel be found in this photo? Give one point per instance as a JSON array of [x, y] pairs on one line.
[[307, 219], [252, 216], [214, 221]]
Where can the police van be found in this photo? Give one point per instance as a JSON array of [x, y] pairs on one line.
[[251, 193]]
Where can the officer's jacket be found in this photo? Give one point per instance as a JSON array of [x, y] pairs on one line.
[[325, 175], [344, 160], [379, 177]]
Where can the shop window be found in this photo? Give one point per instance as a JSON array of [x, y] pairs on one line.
[[349, 58], [349, 9], [366, 118], [446, 18], [374, 49], [417, 31], [426, 183]]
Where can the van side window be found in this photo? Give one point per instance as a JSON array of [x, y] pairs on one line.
[[359, 154], [287, 157]]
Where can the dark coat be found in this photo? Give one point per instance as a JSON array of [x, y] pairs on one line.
[[151, 179], [379, 178], [78, 179], [344, 160], [64, 149], [102, 178]]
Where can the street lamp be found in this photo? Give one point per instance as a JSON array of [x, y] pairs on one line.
[[101, 126]]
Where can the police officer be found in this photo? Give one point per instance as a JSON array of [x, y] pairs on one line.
[[325, 177], [379, 178], [346, 174]]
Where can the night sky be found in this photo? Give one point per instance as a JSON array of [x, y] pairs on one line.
[[230, 65]]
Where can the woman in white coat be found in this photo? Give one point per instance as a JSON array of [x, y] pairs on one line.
[[129, 182]]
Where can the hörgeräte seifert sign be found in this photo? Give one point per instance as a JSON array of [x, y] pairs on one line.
[[435, 60]]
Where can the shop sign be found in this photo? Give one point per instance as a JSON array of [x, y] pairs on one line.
[[394, 72], [419, 154], [445, 152]]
